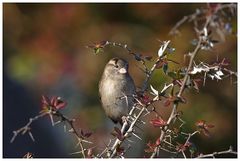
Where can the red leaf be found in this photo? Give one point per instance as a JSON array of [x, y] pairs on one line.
[[161, 63], [151, 147], [53, 101], [45, 100], [158, 141], [203, 126], [169, 100], [149, 150], [183, 147], [117, 132], [200, 123], [85, 134], [119, 150], [145, 99], [98, 45], [178, 82], [60, 105], [188, 144], [180, 148], [225, 62], [206, 132], [210, 126], [158, 122], [88, 134], [167, 103]]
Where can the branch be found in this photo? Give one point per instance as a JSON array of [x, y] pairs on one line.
[[213, 155], [198, 12], [27, 128], [51, 108], [189, 67], [144, 107], [149, 74], [175, 105], [130, 130]]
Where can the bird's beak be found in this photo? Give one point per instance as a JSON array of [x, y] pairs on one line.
[[122, 71]]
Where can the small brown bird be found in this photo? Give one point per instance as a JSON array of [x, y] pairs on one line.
[[116, 89]]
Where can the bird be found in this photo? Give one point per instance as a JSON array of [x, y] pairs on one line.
[[116, 90]]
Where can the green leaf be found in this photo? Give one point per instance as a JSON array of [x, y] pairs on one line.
[[173, 75], [97, 50], [165, 68], [176, 75], [192, 149]]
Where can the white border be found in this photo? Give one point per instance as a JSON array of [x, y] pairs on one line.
[[106, 1], [119, 1]]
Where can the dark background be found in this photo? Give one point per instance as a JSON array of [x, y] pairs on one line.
[[44, 53]]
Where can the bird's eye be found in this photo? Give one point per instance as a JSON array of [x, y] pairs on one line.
[[116, 66]]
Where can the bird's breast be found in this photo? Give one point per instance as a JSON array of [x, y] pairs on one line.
[[112, 97]]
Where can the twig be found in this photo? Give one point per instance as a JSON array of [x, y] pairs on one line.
[[193, 16], [74, 131], [51, 108], [143, 89], [119, 142], [149, 74], [189, 67], [171, 117], [174, 109], [82, 149], [26, 128], [229, 151], [192, 56]]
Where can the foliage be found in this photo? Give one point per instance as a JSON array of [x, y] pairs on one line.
[[172, 138]]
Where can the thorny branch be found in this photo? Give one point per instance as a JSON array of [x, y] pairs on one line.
[[201, 39], [137, 111], [214, 71], [27, 128], [214, 154], [198, 15], [187, 142], [174, 109], [51, 109], [143, 107]]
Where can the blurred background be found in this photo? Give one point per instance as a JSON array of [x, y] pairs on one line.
[[44, 53]]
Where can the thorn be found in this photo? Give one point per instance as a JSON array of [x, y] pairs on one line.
[[13, 138], [57, 122], [140, 121], [78, 152], [130, 140], [31, 136], [138, 127], [230, 149], [77, 144], [85, 141], [146, 114], [136, 136], [65, 128], [71, 130], [51, 118]]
